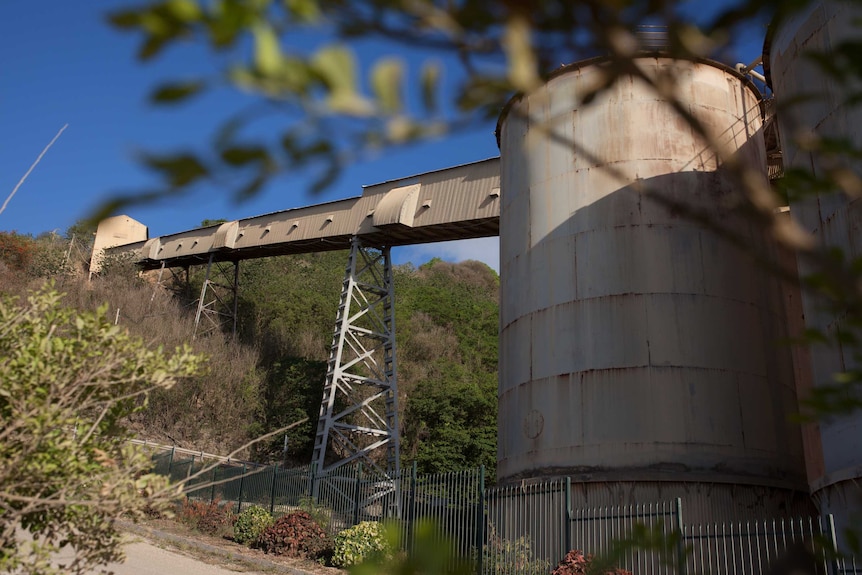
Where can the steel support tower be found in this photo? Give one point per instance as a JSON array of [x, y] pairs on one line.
[[219, 298], [359, 410]]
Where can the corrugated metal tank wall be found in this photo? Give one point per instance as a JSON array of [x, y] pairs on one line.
[[833, 218], [637, 347]]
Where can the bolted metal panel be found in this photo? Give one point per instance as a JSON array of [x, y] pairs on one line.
[[834, 219], [635, 344]]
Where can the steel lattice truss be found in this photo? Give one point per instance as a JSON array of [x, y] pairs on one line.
[[359, 410], [218, 301]]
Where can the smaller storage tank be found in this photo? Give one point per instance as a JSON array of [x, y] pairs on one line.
[[834, 219], [638, 349]]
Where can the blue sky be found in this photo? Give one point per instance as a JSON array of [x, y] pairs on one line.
[[63, 65]]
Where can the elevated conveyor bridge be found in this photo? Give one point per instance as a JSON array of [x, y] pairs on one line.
[[359, 409], [456, 203]]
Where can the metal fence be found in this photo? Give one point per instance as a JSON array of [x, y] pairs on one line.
[[516, 530]]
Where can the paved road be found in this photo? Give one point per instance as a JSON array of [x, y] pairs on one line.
[[145, 558]]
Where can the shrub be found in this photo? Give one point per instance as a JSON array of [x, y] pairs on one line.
[[250, 524], [361, 542], [321, 514], [502, 555], [210, 518], [296, 535], [575, 563]]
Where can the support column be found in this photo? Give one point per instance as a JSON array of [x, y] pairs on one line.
[[359, 410], [217, 305]]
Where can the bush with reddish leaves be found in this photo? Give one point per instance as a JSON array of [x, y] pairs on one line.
[[575, 563], [211, 518], [296, 535], [16, 250]]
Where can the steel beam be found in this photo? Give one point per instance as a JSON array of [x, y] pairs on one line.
[[217, 305]]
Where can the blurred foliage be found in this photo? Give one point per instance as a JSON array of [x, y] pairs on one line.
[[365, 541], [70, 380], [431, 555], [306, 63]]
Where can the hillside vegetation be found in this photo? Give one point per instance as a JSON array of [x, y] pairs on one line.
[[272, 373]]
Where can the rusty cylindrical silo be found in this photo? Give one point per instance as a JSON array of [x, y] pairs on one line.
[[812, 101], [638, 350]]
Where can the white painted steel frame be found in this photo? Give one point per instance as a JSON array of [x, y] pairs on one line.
[[359, 408], [218, 301]]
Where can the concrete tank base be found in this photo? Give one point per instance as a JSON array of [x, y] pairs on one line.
[[702, 502]]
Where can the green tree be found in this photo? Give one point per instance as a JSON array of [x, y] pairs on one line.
[[448, 338], [66, 471]]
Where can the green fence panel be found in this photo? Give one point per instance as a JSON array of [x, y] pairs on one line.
[[227, 484], [523, 529], [257, 487], [292, 486], [162, 462]]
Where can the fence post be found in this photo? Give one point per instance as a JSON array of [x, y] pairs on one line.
[[680, 544], [312, 478], [239, 496], [356, 494], [411, 511], [215, 476], [567, 517], [480, 521], [272, 491], [833, 540], [171, 460], [191, 467]]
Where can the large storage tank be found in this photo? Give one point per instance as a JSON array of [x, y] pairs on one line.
[[639, 352], [833, 218]]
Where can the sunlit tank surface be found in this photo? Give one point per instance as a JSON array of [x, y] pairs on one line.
[[833, 218], [637, 346]]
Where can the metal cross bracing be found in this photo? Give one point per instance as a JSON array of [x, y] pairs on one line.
[[218, 301], [359, 409], [176, 284]]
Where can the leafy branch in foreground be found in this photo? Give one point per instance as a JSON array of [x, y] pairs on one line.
[[66, 471]]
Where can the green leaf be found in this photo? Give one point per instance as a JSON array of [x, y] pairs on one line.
[[267, 51], [184, 10], [386, 79], [430, 80], [336, 67], [176, 92], [251, 188], [242, 155], [227, 21], [124, 19], [307, 11], [151, 47], [523, 66], [179, 170]]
